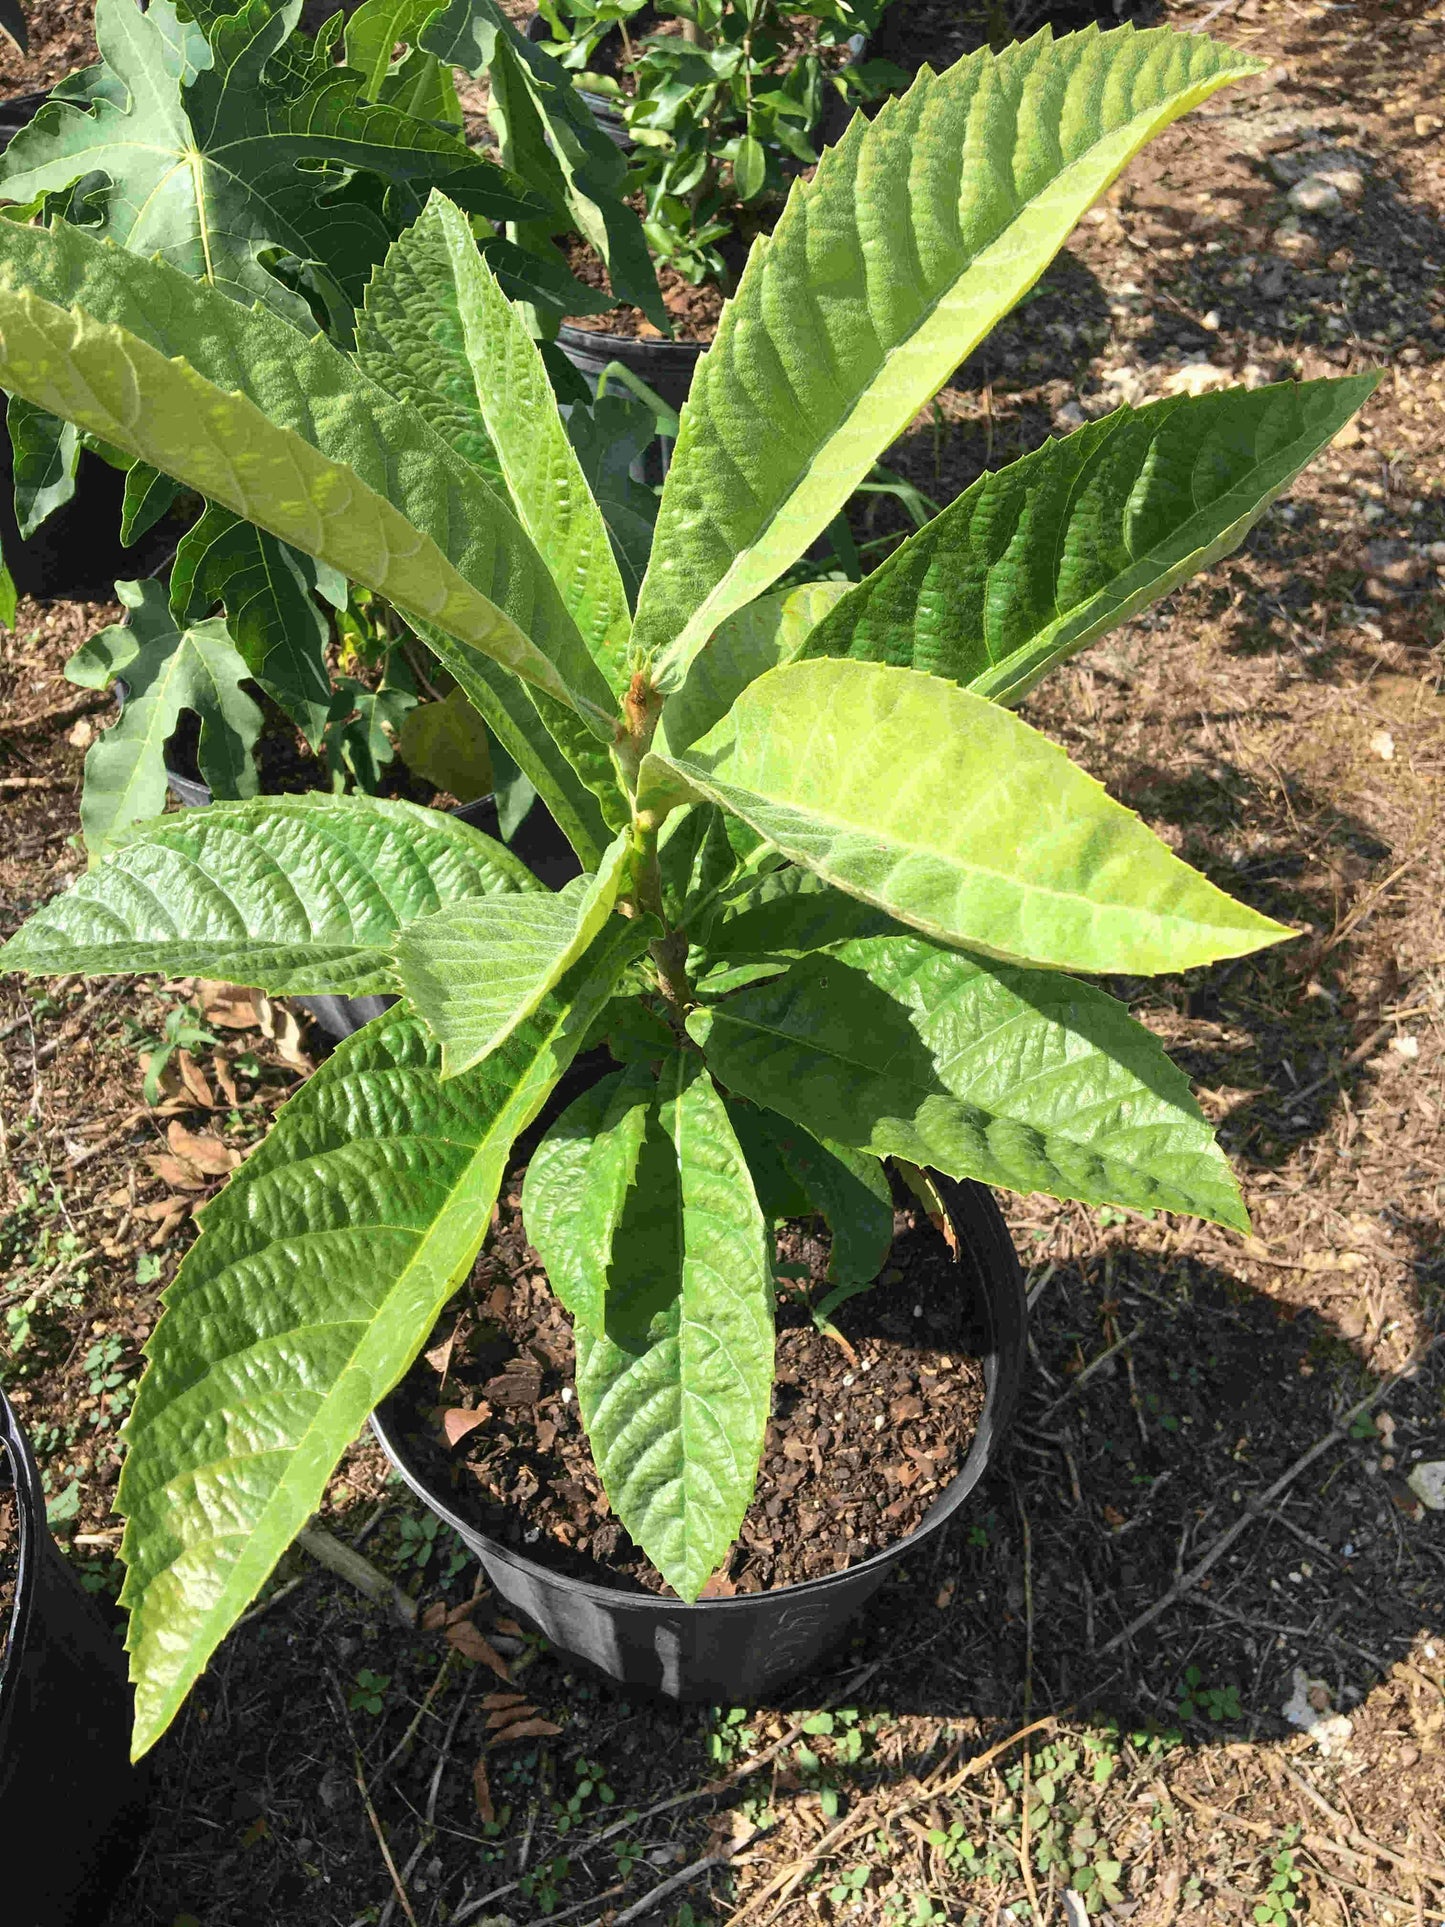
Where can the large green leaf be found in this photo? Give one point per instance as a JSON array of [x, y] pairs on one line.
[[768, 632], [919, 230], [409, 341], [475, 970], [548, 136], [166, 669], [583, 1181], [1020, 1078], [225, 171], [436, 293], [288, 434], [267, 590], [317, 1276], [955, 817], [1037, 559], [295, 894], [675, 1397]]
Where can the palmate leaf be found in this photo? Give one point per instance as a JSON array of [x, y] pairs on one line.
[[1039, 558], [288, 434], [460, 341], [675, 1395], [222, 175], [475, 970], [956, 818], [1020, 1078], [295, 894], [267, 588], [316, 1278], [166, 669], [918, 232], [46, 454], [548, 137]]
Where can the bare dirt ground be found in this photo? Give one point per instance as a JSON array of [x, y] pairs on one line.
[[1206, 1512]]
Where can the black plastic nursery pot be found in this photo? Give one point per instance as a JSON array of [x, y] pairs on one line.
[[72, 1807], [734, 1650], [666, 366], [537, 841]]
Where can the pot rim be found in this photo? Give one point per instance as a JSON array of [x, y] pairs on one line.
[[25, 1484], [999, 1282], [645, 345]]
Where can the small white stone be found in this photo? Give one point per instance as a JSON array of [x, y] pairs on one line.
[[1406, 1047], [1427, 1482], [566, 1394], [1210, 322], [1315, 195], [1383, 744], [918, 1311], [1307, 1708]]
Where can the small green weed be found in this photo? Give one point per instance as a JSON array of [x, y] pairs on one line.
[[1281, 1901], [368, 1694], [1198, 1701]]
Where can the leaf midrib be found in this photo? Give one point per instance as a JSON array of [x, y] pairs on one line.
[[1161, 921]]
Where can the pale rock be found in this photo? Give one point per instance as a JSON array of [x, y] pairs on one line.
[[1406, 1047], [1383, 745], [1427, 1482], [1308, 1708], [1315, 195], [1291, 240], [1069, 417], [1197, 378]]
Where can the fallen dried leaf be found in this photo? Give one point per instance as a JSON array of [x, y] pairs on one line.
[[202, 1149], [162, 1208], [434, 1617], [527, 1730], [440, 1356], [221, 1066], [718, 1587], [506, 1716], [510, 1627], [179, 1173], [223, 1004], [194, 1079], [491, 1701], [283, 1027], [457, 1421], [482, 1787], [470, 1644]]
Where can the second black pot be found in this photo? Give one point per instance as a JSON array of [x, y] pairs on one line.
[[731, 1651], [72, 1807]]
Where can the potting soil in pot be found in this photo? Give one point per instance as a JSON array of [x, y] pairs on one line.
[[864, 1434], [693, 311]]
